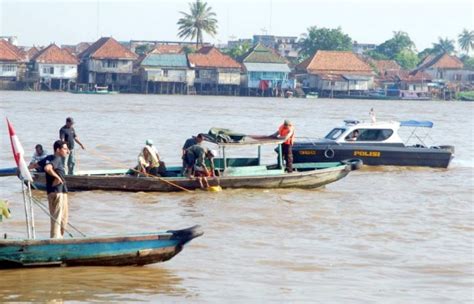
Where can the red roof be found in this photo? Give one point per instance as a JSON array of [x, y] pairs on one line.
[[386, 65], [211, 57], [405, 76], [54, 54], [334, 62], [442, 61], [8, 52], [31, 53], [108, 48], [167, 49]]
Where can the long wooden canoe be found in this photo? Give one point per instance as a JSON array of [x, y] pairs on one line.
[[310, 175], [136, 249]]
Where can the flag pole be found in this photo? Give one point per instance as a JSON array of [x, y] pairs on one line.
[[28, 228], [32, 214]]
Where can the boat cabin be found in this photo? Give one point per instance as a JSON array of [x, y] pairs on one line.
[[385, 132]]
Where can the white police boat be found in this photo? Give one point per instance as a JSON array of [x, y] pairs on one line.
[[376, 144]]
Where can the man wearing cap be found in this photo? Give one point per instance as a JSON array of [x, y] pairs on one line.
[[68, 134], [287, 132]]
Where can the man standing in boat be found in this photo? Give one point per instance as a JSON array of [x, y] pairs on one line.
[[68, 134], [287, 132], [53, 166]]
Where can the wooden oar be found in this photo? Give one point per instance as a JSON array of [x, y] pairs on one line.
[[115, 162]]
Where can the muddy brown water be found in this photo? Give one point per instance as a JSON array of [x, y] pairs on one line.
[[380, 235]]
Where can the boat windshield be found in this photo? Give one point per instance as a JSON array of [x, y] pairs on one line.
[[335, 133]]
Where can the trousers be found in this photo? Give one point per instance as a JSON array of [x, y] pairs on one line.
[[59, 211]]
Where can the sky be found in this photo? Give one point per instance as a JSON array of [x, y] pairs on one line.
[[39, 22]]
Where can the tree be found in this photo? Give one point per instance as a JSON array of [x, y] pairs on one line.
[[407, 59], [468, 62], [200, 19], [445, 45], [239, 50], [143, 49], [422, 55], [466, 40], [324, 39], [399, 42]]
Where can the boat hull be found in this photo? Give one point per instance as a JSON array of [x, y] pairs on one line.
[[374, 155], [125, 250], [307, 179]]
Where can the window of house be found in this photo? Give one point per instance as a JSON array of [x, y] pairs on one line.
[[9, 68], [470, 77], [457, 77], [198, 75], [110, 63], [114, 77], [62, 69], [48, 70], [165, 73]]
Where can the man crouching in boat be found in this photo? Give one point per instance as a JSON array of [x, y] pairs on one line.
[[148, 161], [196, 156], [53, 166]]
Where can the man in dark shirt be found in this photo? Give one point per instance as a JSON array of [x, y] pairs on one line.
[[68, 134], [195, 140], [56, 188]]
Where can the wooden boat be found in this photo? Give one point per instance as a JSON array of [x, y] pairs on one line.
[[123, 250], [233, 173], [8, 171], [312, 95], [96, 90]]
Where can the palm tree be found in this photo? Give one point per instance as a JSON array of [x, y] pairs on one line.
[[445, 45], [466, 40], [200, 19]]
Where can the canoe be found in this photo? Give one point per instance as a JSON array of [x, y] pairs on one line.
[[307, 176], [8, 171], [124, 250]]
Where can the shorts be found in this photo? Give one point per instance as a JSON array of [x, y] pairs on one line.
[[201, 172]]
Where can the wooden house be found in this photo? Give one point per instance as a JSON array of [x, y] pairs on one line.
[[265, 72], [165, 73], [10, 60], [335, 72], [446, 68], [107, 63], [215, 72], [54, 68]]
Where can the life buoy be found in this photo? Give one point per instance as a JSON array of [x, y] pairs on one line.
[[329, 152]]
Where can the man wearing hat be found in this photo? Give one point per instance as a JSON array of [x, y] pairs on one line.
[[287, 132], [68, 134]]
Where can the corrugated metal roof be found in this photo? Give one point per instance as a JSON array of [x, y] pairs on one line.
[[356, 77], [267, 67], [166, 60]]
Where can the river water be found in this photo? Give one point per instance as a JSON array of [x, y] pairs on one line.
[[380, 235]]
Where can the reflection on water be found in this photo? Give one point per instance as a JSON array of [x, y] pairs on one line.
[[107, 284], [382, 234]]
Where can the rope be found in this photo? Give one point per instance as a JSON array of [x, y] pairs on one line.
[[46, 210], [115, 162]]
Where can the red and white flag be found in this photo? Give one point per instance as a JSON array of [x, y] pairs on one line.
[[18, 154]]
